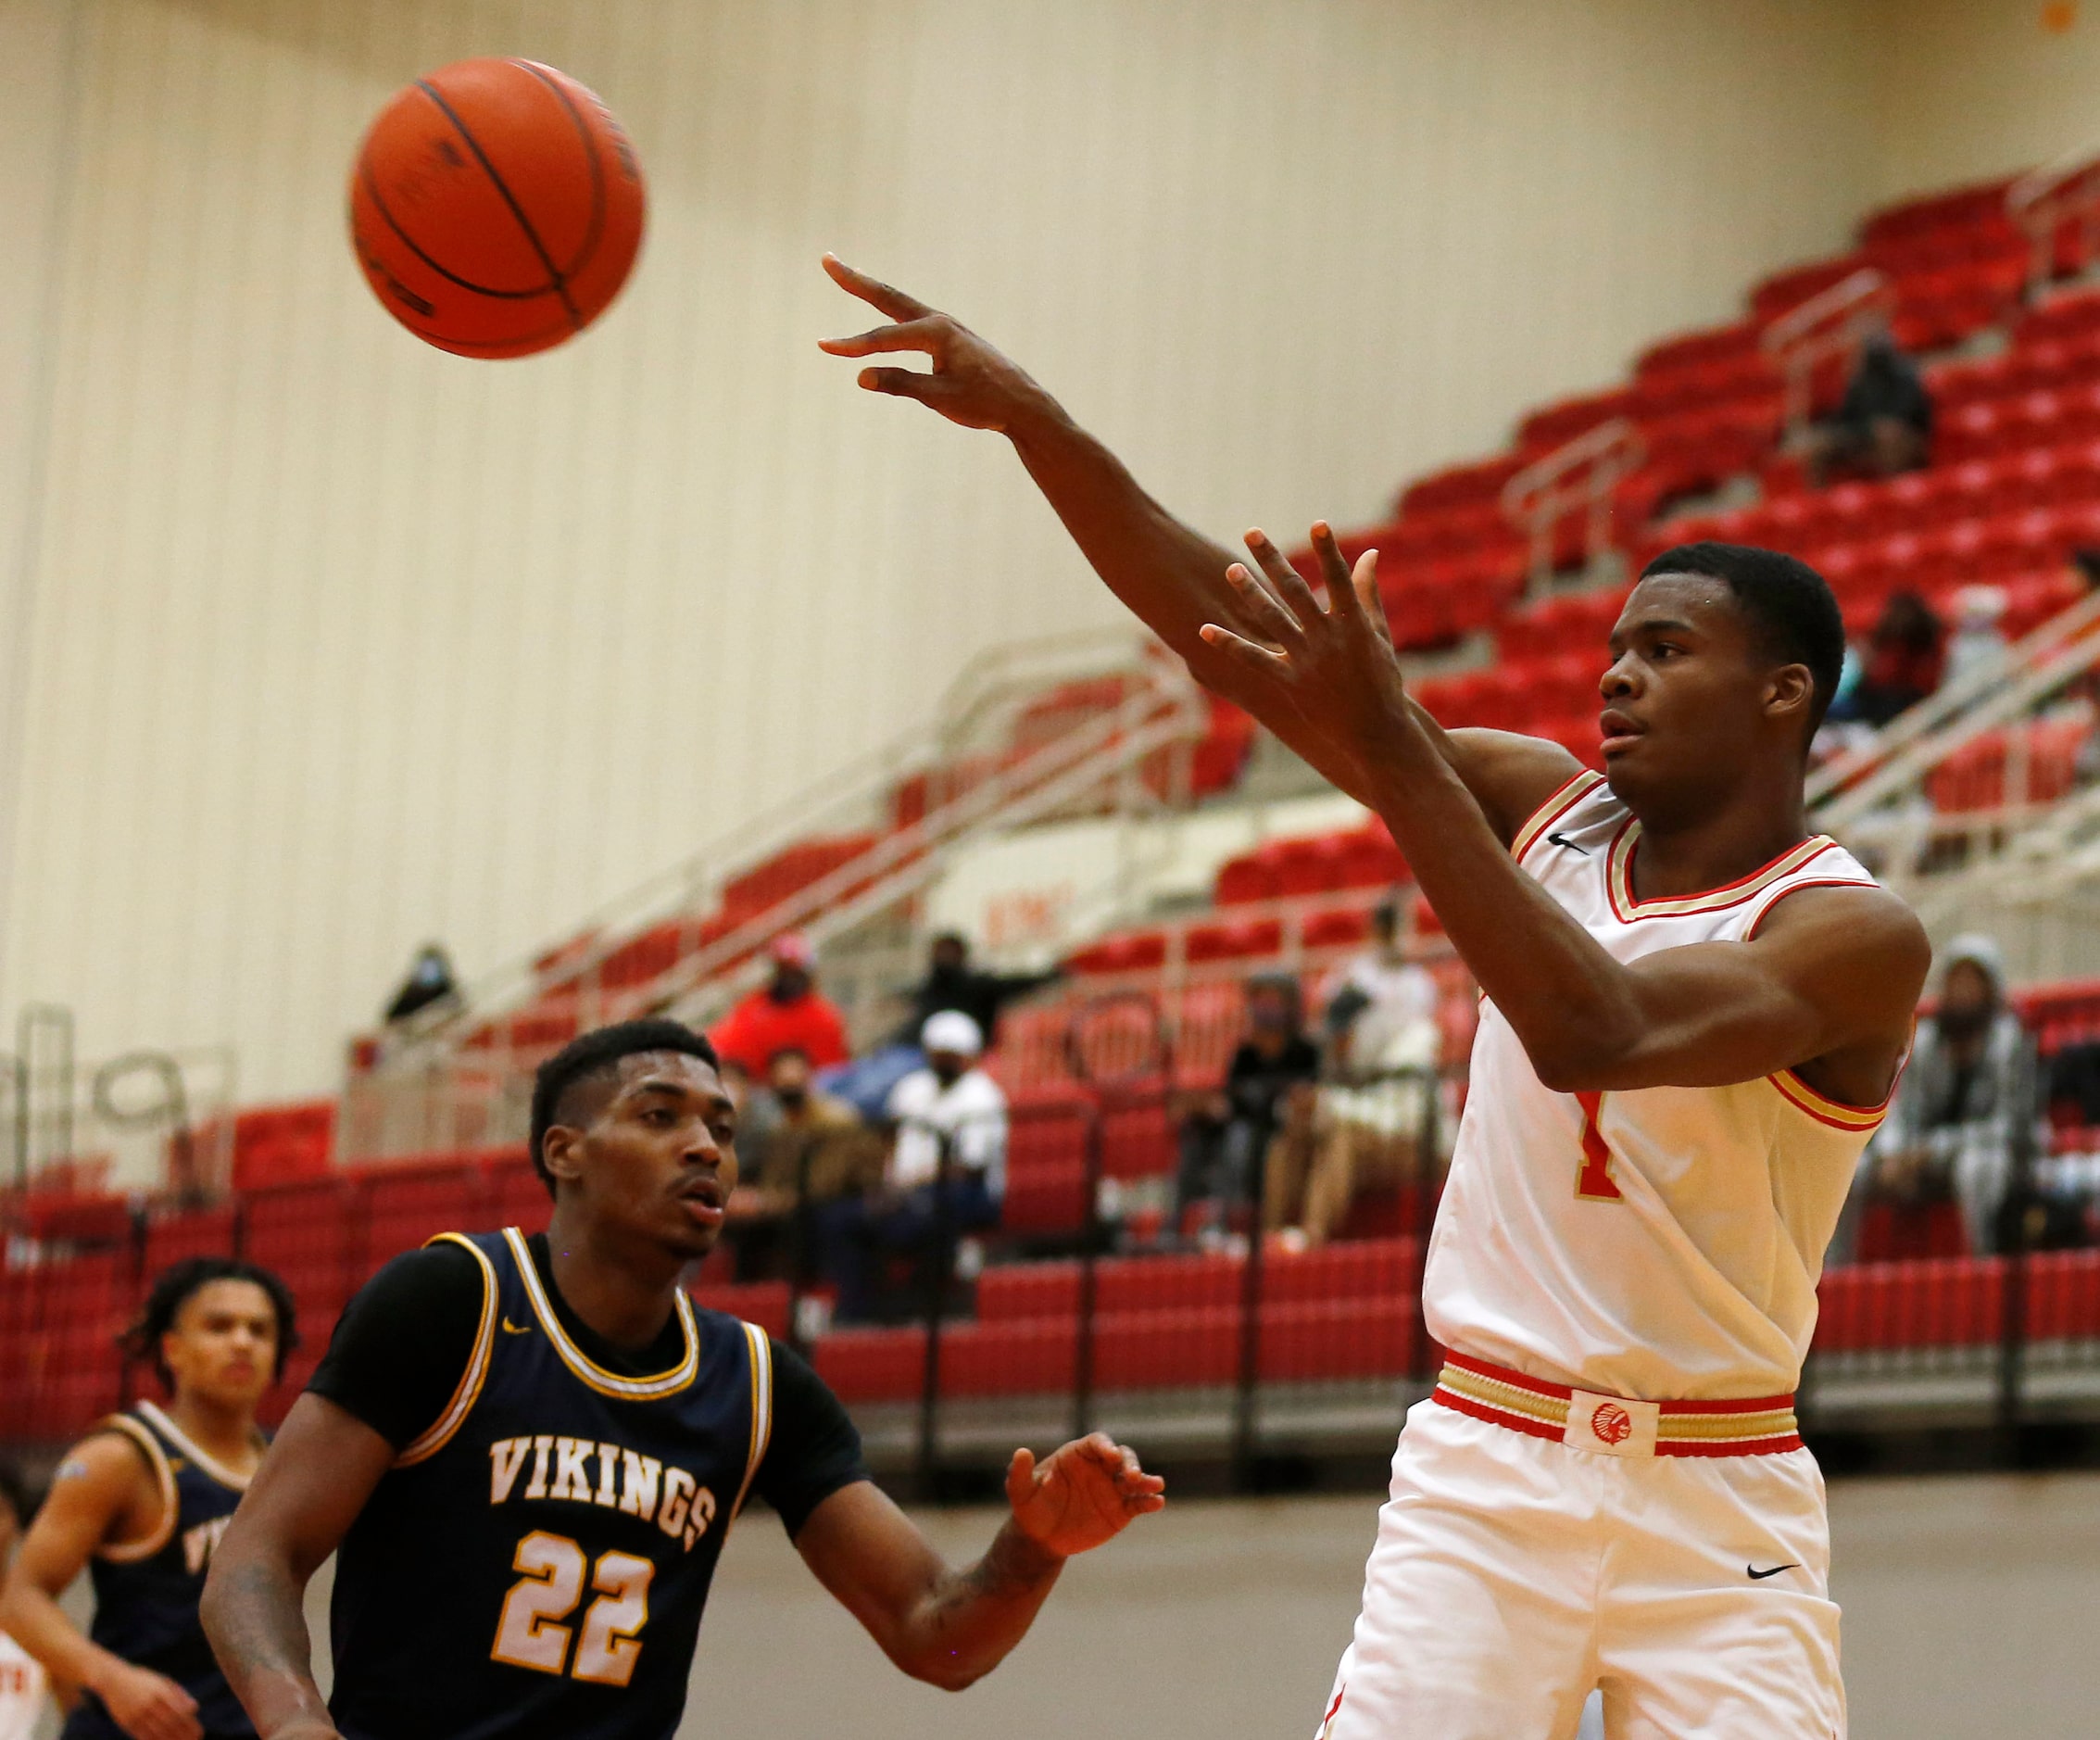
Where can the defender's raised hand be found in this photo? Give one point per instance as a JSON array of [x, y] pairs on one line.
[[1085, 1493], [1331, 670], [970, 383]]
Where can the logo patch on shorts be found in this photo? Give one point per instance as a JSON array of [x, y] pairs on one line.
[[1611, 1425]]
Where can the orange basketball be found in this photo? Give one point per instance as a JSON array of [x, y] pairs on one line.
[[495, 208]]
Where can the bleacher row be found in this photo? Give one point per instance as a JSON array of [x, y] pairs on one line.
[[2015, 487], [1344, 1312]]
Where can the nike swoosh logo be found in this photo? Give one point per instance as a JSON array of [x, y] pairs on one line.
[[1562, 839], [1756, 1575], [516, 1328]]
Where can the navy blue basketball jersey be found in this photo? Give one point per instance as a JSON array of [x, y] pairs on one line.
[[536, 1564], [146, 1593]]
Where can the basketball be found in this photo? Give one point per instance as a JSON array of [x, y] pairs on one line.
[[495, 208]]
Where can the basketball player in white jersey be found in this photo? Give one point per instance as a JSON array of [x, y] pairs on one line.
[[1695, 1013]]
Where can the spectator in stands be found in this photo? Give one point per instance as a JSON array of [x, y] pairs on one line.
[[1362, 1129], [430, 985], [1884, 424], [812, 1150], [952, 1112], [1225, 1134], [1378, 998], [952, 983], [25, 1691], [788, 1014], [1905, 658], [1966, 1122], [1978, 643]]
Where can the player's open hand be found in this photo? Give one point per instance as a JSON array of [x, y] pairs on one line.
[[1333, 667], [147, 1705], [970, 383], [1083, 1494]]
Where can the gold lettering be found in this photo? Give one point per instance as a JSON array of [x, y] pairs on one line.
[[537, 1486], [607, 1464], [506, 1456], [640, 1475], [570, 1479], [702, 1515], [678, 1488]]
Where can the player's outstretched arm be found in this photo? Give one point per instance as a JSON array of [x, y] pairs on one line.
[[1171, 575], [948, 1627], [1830, 980], [97, 1492], [315, 1479]]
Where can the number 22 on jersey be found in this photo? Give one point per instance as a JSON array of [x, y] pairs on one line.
[[1594, 1183], [531, 1634]]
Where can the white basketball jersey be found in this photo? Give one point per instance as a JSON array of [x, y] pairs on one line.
[[1662, 1243], [23, 1696]]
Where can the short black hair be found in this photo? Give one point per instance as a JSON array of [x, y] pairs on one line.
[[1791, 608], [597, 1054], [178, 1283]]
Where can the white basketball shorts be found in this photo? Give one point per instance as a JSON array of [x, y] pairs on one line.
[[1513, 1574]]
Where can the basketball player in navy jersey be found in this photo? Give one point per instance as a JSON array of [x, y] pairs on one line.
[[140, 1503], [528, 1451]]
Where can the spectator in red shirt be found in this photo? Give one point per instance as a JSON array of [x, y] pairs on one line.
[[789, 1014]]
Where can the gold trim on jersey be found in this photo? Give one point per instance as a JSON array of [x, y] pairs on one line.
[[131, 1552], [1825, 1110], [761, 1346], [1618, 879], [467, 1391], [181, 1441], [605, 1382], [1549, 812]]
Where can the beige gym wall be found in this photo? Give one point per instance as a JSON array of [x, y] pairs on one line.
[[332, 643], [1970, 89]]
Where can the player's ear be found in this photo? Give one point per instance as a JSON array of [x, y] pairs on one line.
[[560, 1151], [1790, 692]]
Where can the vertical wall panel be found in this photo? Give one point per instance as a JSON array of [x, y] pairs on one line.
[[338, 643]]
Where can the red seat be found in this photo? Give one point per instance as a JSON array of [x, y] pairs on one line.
[[1338, 928]]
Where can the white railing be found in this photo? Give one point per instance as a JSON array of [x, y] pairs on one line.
[[2044, 201], [458, 1081], [1879, 801], [1582, 475], [1832, 323]]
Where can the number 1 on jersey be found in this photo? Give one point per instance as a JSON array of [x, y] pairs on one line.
[[1594, 1183]]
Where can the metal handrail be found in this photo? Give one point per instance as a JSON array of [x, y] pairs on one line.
[[1840, 784], [685, 889], [2030, 673], [2040, 202], [1833, 323], [1598, 461]]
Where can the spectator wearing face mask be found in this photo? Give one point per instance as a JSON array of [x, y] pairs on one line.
[[812, 1149], [788, 1014], [951, 983], [1226, 1133], [949, 1111], [429, 985], [1965, 1118]]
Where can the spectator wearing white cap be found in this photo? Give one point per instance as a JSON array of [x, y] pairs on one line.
[[951, 1109]]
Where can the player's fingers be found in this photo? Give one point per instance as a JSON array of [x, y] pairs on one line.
[[1333, 569], [1363, 583], [902, 384], [888, 298], [926, 334], [1289, 584], [1021, 1475], [1261, 659], [1264, 609]]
